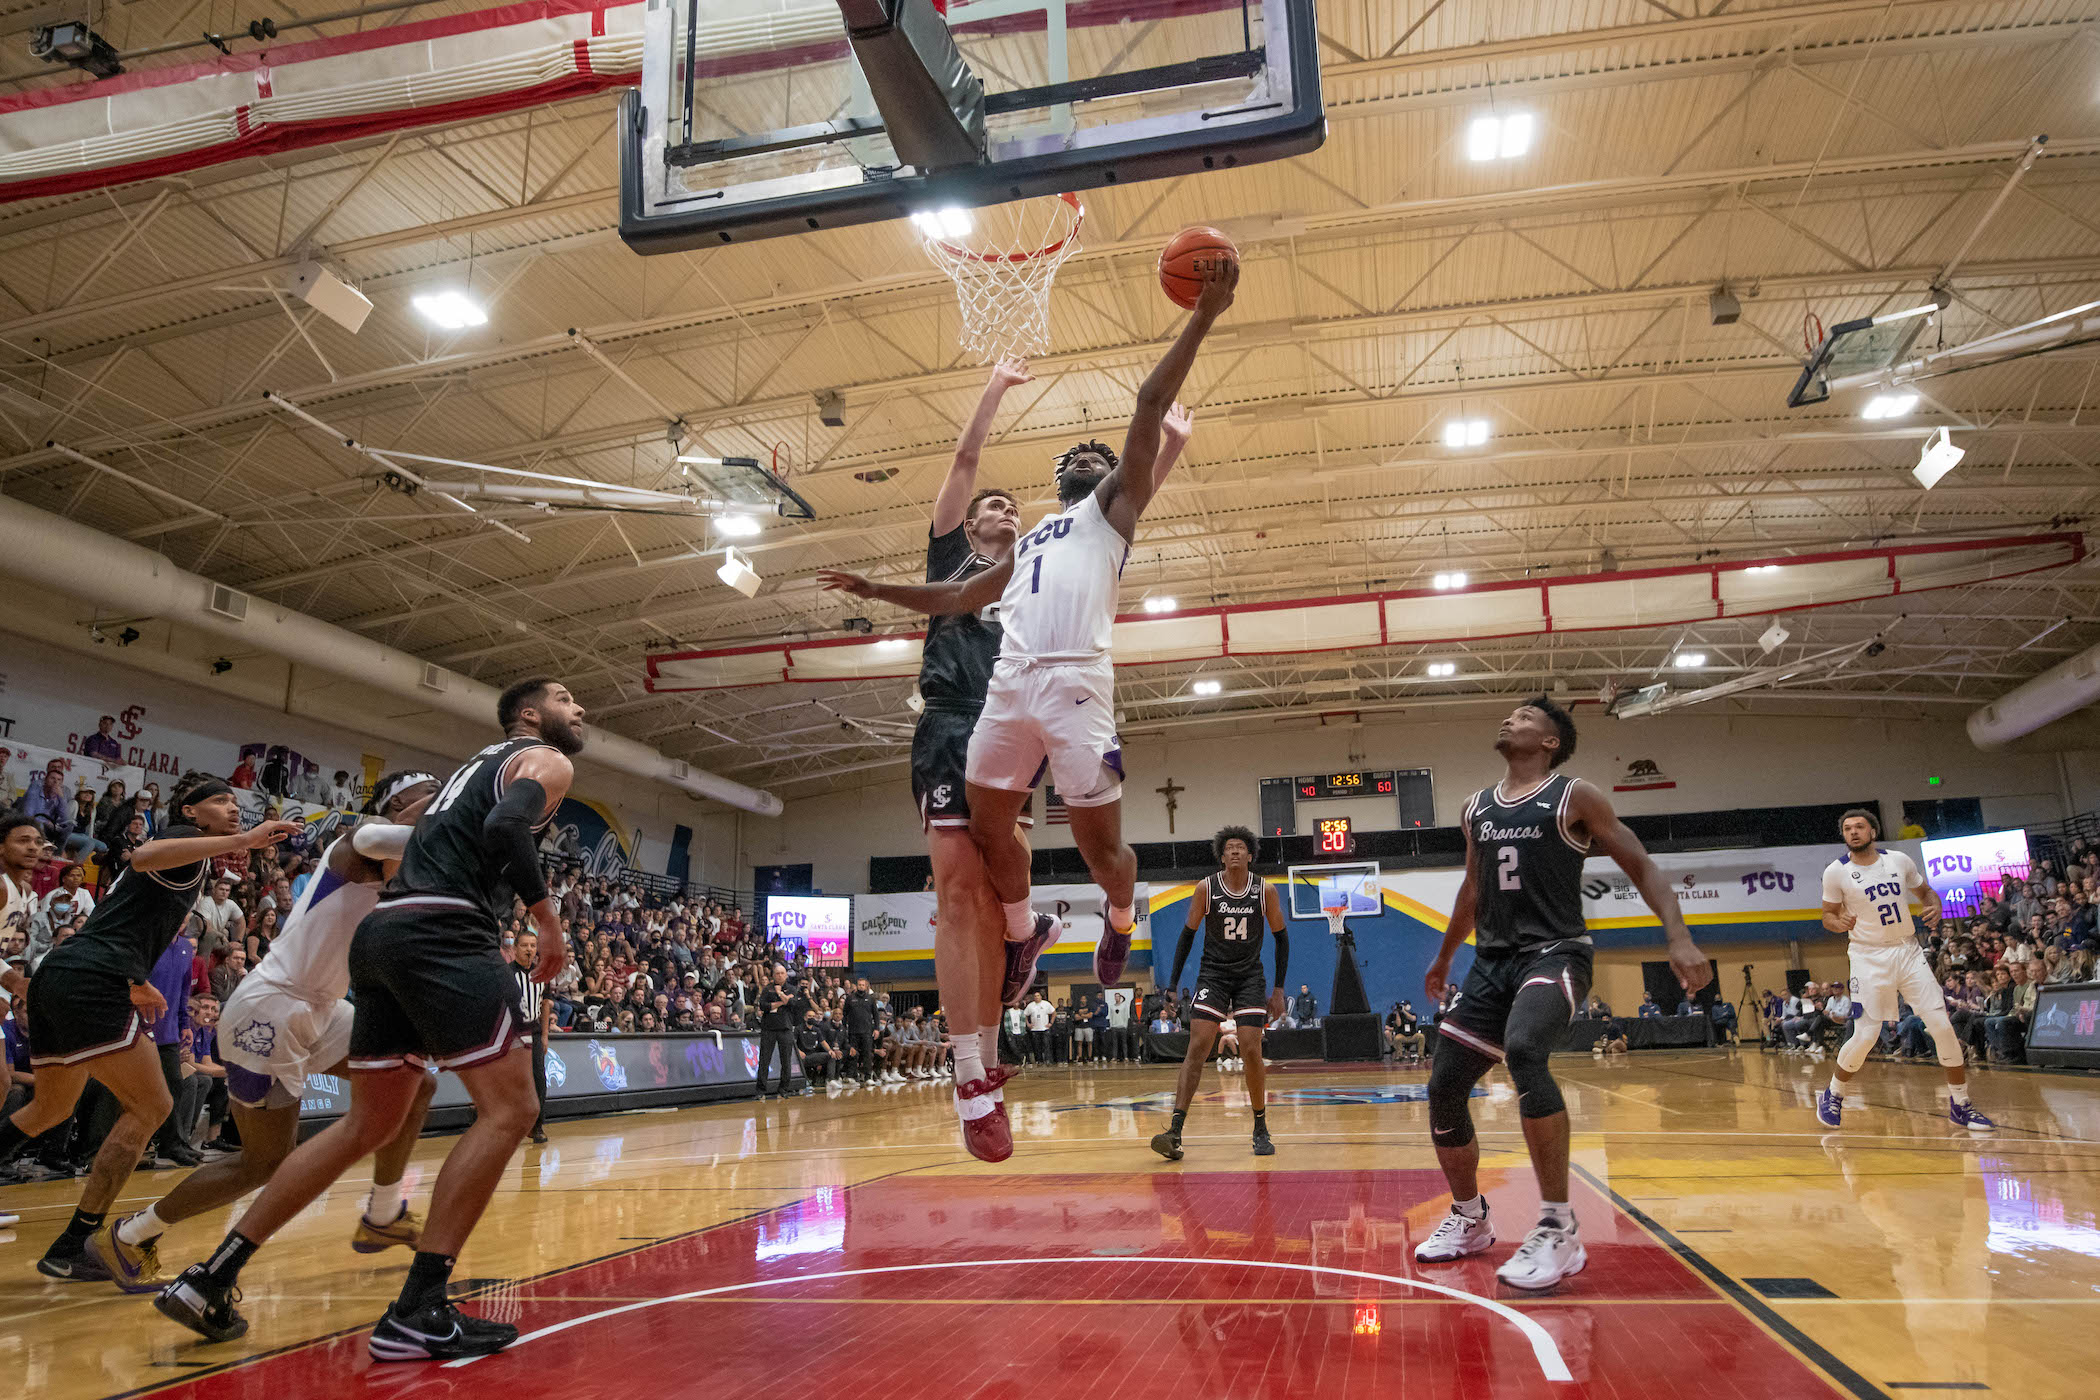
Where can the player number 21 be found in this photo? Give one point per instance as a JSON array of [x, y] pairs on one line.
[[1506, 869], [1235, 928], [1890, 914]]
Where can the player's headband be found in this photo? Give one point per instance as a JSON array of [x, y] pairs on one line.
[[202, 792], [402, 783]]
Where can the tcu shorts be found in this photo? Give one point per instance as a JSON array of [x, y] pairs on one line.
[[940, 750], [1883, 974], [1049, 717], [271, 1040]]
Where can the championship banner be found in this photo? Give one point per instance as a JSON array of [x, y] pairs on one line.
[[899, 928]]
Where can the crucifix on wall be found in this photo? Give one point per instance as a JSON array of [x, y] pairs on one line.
[[1170, 790]]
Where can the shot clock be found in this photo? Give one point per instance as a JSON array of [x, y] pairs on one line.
[[1336, 837]]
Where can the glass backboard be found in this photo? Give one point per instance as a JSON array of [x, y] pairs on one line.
[[754, 118], [1314, 886]]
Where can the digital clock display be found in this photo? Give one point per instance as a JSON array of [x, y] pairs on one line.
[[1335, 838], [1345, 780], [1327, 785]]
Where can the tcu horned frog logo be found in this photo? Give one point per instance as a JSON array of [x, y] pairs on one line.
[[256, 1038]]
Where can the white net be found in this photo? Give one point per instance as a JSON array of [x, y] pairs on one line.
[[1002, 260]]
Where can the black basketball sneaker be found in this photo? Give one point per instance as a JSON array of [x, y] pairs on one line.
[[437, 1332]]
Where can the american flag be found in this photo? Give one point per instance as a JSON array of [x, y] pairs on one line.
[[1055, 813]]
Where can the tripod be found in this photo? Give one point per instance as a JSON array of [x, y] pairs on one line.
[[1747, 1005]]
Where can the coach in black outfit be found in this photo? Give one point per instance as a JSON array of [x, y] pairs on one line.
[[537, 1009], [776, 1029], [860, 1030]]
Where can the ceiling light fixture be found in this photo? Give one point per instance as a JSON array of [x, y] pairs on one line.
[[1207, 687], [737, 527], [450, 310], [1939, 457], [893, 644], [1889, 406], [1445, 582], [1499, 138], [1160, 605], [1690, 660], [1443, 668], [1465, 432], [951, 222]]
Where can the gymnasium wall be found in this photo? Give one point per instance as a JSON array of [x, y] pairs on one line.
[[1714, 761], [51, 696]]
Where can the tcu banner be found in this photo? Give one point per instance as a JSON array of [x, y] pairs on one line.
[[900, 927]]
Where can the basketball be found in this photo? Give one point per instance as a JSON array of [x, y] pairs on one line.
[[1184, 260]]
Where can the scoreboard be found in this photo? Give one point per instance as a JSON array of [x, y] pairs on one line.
[[1408, 789]]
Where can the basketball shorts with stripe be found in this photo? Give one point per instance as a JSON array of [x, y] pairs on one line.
[[940, 748], [430, 987], [77, 1014], [1480, 1016], [1233, 995]]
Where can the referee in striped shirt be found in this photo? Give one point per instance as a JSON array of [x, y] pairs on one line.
[[538, 1011]]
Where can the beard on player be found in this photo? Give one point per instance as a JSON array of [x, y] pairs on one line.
[[563, 732], [1082, 468]]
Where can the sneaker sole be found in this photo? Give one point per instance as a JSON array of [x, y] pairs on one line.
[[1483, 1247], [1582, 1260], [176, 1311], [1169, 1150], [78, 1271], [1264, 1148], [368, 1245]]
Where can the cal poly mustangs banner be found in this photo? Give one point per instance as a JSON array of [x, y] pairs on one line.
[[1772, 892], [893, 933]]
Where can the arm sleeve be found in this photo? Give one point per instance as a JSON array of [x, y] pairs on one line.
[[381, 840], [507, 835], [1181, 955], [1283, 954]]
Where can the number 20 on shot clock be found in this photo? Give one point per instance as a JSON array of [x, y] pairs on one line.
[[1336, 836]]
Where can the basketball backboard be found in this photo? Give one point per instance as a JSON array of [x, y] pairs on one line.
[[755, 119], [1316, 887], [1858, 348]]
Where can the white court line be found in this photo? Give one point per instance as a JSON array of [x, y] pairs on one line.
[[1542, 1347]]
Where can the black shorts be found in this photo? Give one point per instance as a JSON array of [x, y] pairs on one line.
[[1480, 1015], [940, 746], [430, 987], [1229, 994], [76, 1014]]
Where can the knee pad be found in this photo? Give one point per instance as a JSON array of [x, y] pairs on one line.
[[1944, 1040], [1853, 1053], [1537, 1095], [1453, 1071]]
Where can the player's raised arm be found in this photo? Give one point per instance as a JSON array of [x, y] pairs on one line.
[[954, 497], [1593, 809], [1127, 490], [1175, 430], [979, 590]]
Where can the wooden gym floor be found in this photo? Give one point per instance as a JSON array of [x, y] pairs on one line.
[[847, 1247]]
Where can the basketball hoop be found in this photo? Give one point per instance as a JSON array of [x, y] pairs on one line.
[[1335, 913], [1002, 260]]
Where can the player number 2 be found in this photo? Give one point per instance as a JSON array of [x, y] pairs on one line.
[[1235, 928], [1890, 914], [1506, 869]]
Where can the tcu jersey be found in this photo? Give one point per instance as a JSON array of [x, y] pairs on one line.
[[1527, 867], [310, 957], [448, 859], [1877, 896], [1233, 927], [1060, 604]]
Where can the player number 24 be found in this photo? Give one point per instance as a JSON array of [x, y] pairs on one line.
[[1506, 869], [1235, 928]]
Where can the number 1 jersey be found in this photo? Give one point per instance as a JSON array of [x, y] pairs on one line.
[[1060, 604], [1877, 896]]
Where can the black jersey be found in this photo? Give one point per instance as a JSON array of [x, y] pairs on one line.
[[1233, 925], [448, 857], [137, 919], [955, 667], [1527, 867]]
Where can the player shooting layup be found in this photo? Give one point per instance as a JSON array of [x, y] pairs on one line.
[[1051, 705], [1526, 838], [1866, 895]]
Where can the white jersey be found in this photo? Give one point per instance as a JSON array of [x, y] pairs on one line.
[[1060, 604], [310, 957], [1877, 896]]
